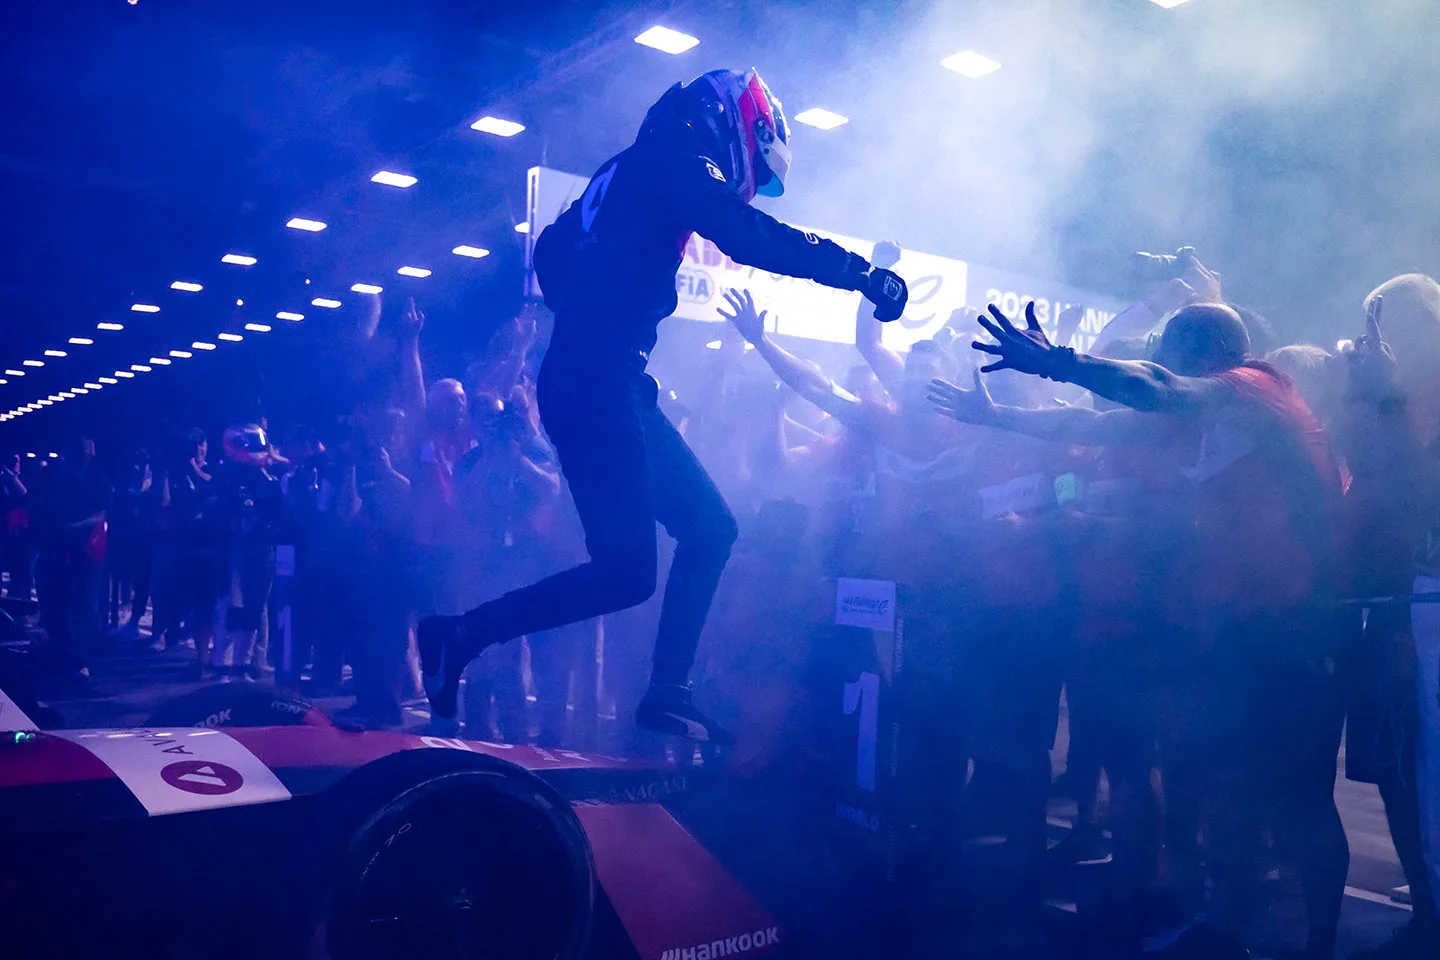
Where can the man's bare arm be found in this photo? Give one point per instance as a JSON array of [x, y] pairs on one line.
[[1138, 384], [888, 365], [800, 377], [1078, 425], [808, 382], [1146, 386], [412, 373]]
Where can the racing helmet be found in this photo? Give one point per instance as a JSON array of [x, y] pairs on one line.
[[246, 443], [737, 121]]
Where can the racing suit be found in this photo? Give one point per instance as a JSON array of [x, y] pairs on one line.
[[608, 268]]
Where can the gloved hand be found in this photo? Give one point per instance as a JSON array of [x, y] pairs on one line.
[[888, 292]]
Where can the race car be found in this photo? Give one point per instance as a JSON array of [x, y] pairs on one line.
[[202, 835]]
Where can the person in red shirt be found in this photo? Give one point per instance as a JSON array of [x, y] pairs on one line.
[[1261, 735]]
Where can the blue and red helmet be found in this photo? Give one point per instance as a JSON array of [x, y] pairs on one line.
[[738, 121]]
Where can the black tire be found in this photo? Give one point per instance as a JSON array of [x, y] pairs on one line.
[[485, 861], [237, 705]]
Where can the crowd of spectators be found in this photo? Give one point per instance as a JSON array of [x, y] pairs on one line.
[[1216, 592]]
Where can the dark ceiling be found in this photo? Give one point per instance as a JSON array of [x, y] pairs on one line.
[[144, 141]]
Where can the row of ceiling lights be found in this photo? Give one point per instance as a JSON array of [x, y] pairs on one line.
[[487, 124], [386, 177], [967, 63], [496, 126]]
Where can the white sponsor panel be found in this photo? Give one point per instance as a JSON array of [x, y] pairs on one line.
[[548, 193], [798, 308], [869, 604], [181, 770], [1021, 495], [805, 308], [12, 717], [1011, 291]]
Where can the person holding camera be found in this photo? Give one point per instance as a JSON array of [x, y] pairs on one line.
[[1388, 425]]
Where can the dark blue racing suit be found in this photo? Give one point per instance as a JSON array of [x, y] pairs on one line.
[[607, 267]]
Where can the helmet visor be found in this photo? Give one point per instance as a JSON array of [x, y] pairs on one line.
[[771, 134]]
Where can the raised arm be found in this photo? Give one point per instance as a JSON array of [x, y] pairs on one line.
[[412, 373], [1195, 284], [809, 383], [1376, 429], [888, 365], [1077, 425], [1136, 384], [14, 483]]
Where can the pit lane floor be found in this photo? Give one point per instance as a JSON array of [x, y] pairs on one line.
[[130, 681]]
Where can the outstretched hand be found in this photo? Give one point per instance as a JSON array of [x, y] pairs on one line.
[[413, 321], [749, 321], [1028, 350], [1372, 369], [1199, 278], [968, 406]]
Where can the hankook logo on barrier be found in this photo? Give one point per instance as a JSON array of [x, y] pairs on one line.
[[729, 947], [865, 603]]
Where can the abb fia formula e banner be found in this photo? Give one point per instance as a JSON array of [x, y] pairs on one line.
[[803, 308]]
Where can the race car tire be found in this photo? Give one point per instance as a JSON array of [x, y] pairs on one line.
[[238, 705], [482, 859]]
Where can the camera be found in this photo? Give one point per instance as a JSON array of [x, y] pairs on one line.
[[1156, 267], [1159, 267]]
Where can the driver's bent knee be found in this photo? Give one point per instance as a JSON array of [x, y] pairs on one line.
[[627, 574]]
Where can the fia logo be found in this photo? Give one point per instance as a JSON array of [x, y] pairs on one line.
[[693, 286]]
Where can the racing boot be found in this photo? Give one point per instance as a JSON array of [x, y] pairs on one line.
[[669, 708]]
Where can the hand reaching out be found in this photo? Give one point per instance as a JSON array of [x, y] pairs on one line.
[[747, 320], [1196, 284], [1204, 281], [1028, 350], [1372, 369], [968, 406], [414, 320]]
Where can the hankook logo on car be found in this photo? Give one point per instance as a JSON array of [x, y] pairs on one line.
[[729, 947]]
